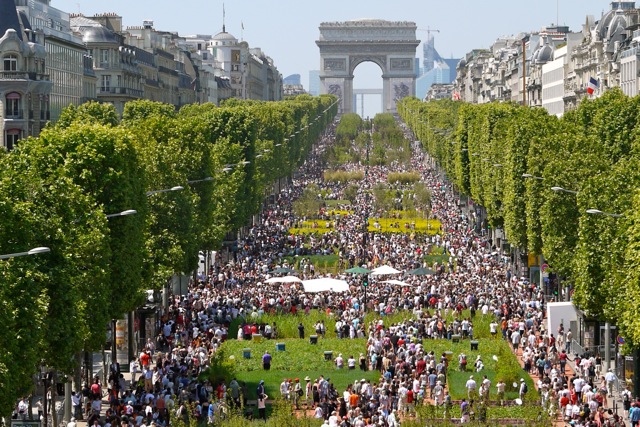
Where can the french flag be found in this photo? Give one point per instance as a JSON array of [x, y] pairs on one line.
[[592, 86]]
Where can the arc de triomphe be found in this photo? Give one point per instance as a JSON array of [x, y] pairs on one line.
[[391, 45]]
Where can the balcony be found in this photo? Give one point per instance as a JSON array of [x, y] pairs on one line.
[[13, 75], [14, 114], [115, 90]]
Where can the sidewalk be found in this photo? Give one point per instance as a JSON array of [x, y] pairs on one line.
[[613, 402], [60, 400]]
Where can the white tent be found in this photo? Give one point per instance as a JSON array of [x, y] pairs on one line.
[[285, 279], [384, 269], [396, 282], [325, 284]]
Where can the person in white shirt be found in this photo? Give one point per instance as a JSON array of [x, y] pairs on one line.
[[339, 361], [284, 389], [578, 384], [611, 379], [351, 363], [333, 419], [493, 328], [471, 386]]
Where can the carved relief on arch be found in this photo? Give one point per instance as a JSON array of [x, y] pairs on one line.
[[355, 60]]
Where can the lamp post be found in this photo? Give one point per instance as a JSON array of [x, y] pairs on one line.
[[195, 181], [564, 190], [46, 376], [528, 175], [540, 256], [607, 325], [34, 251], [67, 402], [166, 190], [123, 213]]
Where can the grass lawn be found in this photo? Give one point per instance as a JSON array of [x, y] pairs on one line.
[[302, 358], [287, 324], [438, 255], [298, 360], [322, 263]]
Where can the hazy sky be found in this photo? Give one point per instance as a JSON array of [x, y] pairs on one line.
[[286, 30]]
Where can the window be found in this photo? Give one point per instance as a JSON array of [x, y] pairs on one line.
[[11, 138], [106, 83], [235, 56], [12, 106], [104, 57], [10, 63]]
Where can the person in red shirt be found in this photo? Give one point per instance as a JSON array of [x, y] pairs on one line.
[[574, 396], [421, 365], [410, 402], [220, 390], [145, 358]]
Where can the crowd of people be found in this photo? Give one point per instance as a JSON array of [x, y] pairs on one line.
[[474, 275]]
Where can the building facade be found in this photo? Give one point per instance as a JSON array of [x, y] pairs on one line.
[[555, 68], [25, 86], [65, 54]]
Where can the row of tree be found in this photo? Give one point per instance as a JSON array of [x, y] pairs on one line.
[[59, 190], [508, 158]]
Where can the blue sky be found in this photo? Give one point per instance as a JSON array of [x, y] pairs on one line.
[[286, 30]]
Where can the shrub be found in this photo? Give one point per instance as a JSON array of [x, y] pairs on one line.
[[403, 177], [343, 176]]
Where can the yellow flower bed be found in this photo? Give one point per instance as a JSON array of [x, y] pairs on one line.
[[417, 225]]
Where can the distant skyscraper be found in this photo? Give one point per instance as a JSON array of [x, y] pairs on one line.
[[293, 79], [431, 55], [314, 82], [435, 69]]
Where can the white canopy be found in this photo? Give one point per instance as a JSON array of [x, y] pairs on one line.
[[396, 282], [285, 279], [384, 269], [325, 284]]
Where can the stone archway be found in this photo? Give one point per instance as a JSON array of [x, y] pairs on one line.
[[390, 45]]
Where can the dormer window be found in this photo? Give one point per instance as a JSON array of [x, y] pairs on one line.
[[10, 63]]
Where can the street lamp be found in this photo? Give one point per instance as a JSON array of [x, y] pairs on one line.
[[564, 190], [528, 175], [607, 326], [123, 213], [34, 251], [207, 179], [599, 212], [46, 376], [166, 190]]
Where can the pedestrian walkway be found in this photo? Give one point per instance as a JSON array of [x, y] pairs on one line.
[[571, 373], [60, 406]]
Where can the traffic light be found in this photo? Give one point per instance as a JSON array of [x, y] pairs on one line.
[[365, 281]]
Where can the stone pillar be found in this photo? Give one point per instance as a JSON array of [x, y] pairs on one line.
[[347, 96]]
